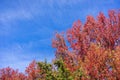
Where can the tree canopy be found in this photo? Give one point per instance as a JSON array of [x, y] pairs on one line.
[[89, 51]]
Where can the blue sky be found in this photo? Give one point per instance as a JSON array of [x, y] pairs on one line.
[[28, 26]]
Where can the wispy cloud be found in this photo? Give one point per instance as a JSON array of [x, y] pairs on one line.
[[27, 26], [9, 17], [18, 56], [13, 15]]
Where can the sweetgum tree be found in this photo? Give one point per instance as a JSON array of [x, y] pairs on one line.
[[93, 50]]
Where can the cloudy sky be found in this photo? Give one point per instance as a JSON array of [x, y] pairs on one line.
[[28, 26]]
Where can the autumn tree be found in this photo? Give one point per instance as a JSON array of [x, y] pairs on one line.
[[11, 74], [92, 47], [32, 71]]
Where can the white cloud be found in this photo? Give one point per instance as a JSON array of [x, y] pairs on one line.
[[9, 17], [18, 56], [12, 15]]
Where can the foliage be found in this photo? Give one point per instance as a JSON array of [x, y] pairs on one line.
[[93, 48], [11, 74], [89, 51], [46, 71], [32, 71]]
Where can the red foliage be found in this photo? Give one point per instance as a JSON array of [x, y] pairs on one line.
[[11, 74], [91, 45], [32, 71]]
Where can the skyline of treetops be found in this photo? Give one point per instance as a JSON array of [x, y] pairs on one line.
[[86, 51]]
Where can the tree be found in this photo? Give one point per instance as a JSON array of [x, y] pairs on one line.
[[11, 74], [32, 71], [46, 71], [93, 47]]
